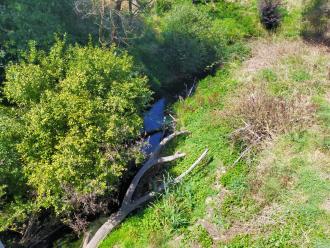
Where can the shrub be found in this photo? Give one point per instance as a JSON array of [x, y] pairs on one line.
[[270, 14], [82, 114], [188, 46], [189, 41], [265, 116], [162, 6], [316, 21], [24, 20], [184, 48], [11, 176]]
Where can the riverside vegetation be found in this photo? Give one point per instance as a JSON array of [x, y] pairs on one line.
[[71, 118]]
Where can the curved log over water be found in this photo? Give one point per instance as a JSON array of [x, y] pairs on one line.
[[128, 205]]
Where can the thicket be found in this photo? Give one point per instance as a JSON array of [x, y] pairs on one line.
[[72, 132], [316, 21], [183, 41], [38, 20]]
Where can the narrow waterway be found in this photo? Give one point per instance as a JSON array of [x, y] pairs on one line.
[[153, 125]]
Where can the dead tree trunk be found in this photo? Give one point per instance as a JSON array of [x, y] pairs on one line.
[[128, 204]]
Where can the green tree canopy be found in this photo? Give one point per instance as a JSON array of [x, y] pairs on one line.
[[82, 110]]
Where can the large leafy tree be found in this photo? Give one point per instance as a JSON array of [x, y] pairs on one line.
[[81, 118], [24, 20]]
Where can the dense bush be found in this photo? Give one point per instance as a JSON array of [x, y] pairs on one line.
[[184, 48], [24, 20], [316, 21], [189, 46], [81, 117], [11, 175], [185, 41], [270, 13]]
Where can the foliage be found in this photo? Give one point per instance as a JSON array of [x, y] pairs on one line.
[[82, 108], [186, 41], [316, 24], [11, 176], [270, 13], [38, 20], [24, 20], [188, 46]]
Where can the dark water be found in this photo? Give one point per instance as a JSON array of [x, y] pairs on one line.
[[153, 123]]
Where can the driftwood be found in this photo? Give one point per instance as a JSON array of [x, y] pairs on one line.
[[129, 204]]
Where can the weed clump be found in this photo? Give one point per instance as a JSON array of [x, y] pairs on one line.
[[264, 116]]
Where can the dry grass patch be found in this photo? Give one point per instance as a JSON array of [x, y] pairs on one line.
[[266, 53], [271, 54], [277, 85], [259, 116], [272, 175]]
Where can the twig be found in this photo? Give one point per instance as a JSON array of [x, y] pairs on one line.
[[245, 152], [116, 218]]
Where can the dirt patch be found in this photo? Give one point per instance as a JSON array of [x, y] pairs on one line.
[[326, 205]]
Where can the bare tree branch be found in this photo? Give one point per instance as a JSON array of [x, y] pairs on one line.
[[128, 206], [179, 178], [152, 161], [118, 20], [170, 158]]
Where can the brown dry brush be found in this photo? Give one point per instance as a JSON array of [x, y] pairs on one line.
[[264, 116], [85, 206]]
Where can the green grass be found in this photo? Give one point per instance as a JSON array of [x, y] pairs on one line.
[[182, 206], [275, 196], [300, 220], [292, 176]]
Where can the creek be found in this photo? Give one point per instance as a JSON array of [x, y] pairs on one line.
[[153, 126]]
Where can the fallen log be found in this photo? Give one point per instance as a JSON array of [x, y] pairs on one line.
[[128, 204]]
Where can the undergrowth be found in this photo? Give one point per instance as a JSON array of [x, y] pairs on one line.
[[274, 196]]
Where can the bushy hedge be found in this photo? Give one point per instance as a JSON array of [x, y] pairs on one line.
[[79, 112], [189, 44]]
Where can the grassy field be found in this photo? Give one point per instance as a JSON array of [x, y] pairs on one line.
[[277, 195]]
